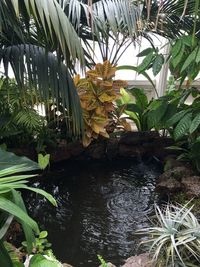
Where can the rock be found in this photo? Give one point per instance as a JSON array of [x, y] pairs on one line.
[[136, 138], [141, 260], [112, 148], [179, 179], [171, 162], [191, 186], [75, 149], [177, 173], [130, 151], [168, 186], [96, 151]]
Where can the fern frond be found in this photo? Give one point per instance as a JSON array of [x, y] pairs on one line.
[[29, 119]]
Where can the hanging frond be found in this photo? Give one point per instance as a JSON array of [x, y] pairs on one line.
[[75, 11], [49, 21], [118, 16], [46, 76]]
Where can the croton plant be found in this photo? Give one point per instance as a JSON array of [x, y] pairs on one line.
[[98, 92]]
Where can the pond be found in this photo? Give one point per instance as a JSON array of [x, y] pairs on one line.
[[100, 205]]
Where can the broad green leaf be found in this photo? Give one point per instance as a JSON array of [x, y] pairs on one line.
[[157, 65], [41, 261], [29, 235], [13, 209], [43, 234], [134, 117], [176, 60], [125, 97], [41, 192], [198, 56], [187, 40], [18, 264], [8, 159], [155, 116], [190, 59], [5, 260], [3, 146], [195, 124], [133, 108], [145, 52], [146, 62], [43, 161], [176, 118], [176, 48], [4, 228], [141, 99], [183, 126]]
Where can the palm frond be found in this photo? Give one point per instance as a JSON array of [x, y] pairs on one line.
[[49, 20], [46, 76], [169, 18], [117, 15], [28, 119]]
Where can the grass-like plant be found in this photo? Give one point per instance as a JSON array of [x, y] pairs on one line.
[[174, 238]]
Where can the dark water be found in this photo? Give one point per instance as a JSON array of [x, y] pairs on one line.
[[99, 208]]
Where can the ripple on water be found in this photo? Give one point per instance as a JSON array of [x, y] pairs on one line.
[[99, 209]]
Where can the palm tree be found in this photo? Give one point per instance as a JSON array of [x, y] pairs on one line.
[[40, 45], [43, 39], [120, 22]]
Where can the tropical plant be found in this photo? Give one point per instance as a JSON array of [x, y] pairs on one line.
[[12, 205], [174, 237], [146, 114], [186, 121], [41, 246], [44, 261], [184, 59], [135, 104], [102, 261], [170, 18], [111, 24], [19, 120], [45, 40], [97, 93], [41, 30]]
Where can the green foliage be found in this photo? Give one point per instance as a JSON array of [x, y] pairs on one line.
[[22, 164], [133, 68], [11, 202], [185, 58], [42, 261], [147, 115], [102, 261], [152, 60], [135, 104], [43, 161], [19, 121], [174, 237], [14, 254], [41, 244], [183, 126]]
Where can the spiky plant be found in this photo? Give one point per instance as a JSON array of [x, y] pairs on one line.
[[174, 238]]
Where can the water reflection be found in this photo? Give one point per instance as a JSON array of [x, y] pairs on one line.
[[99, 208]]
